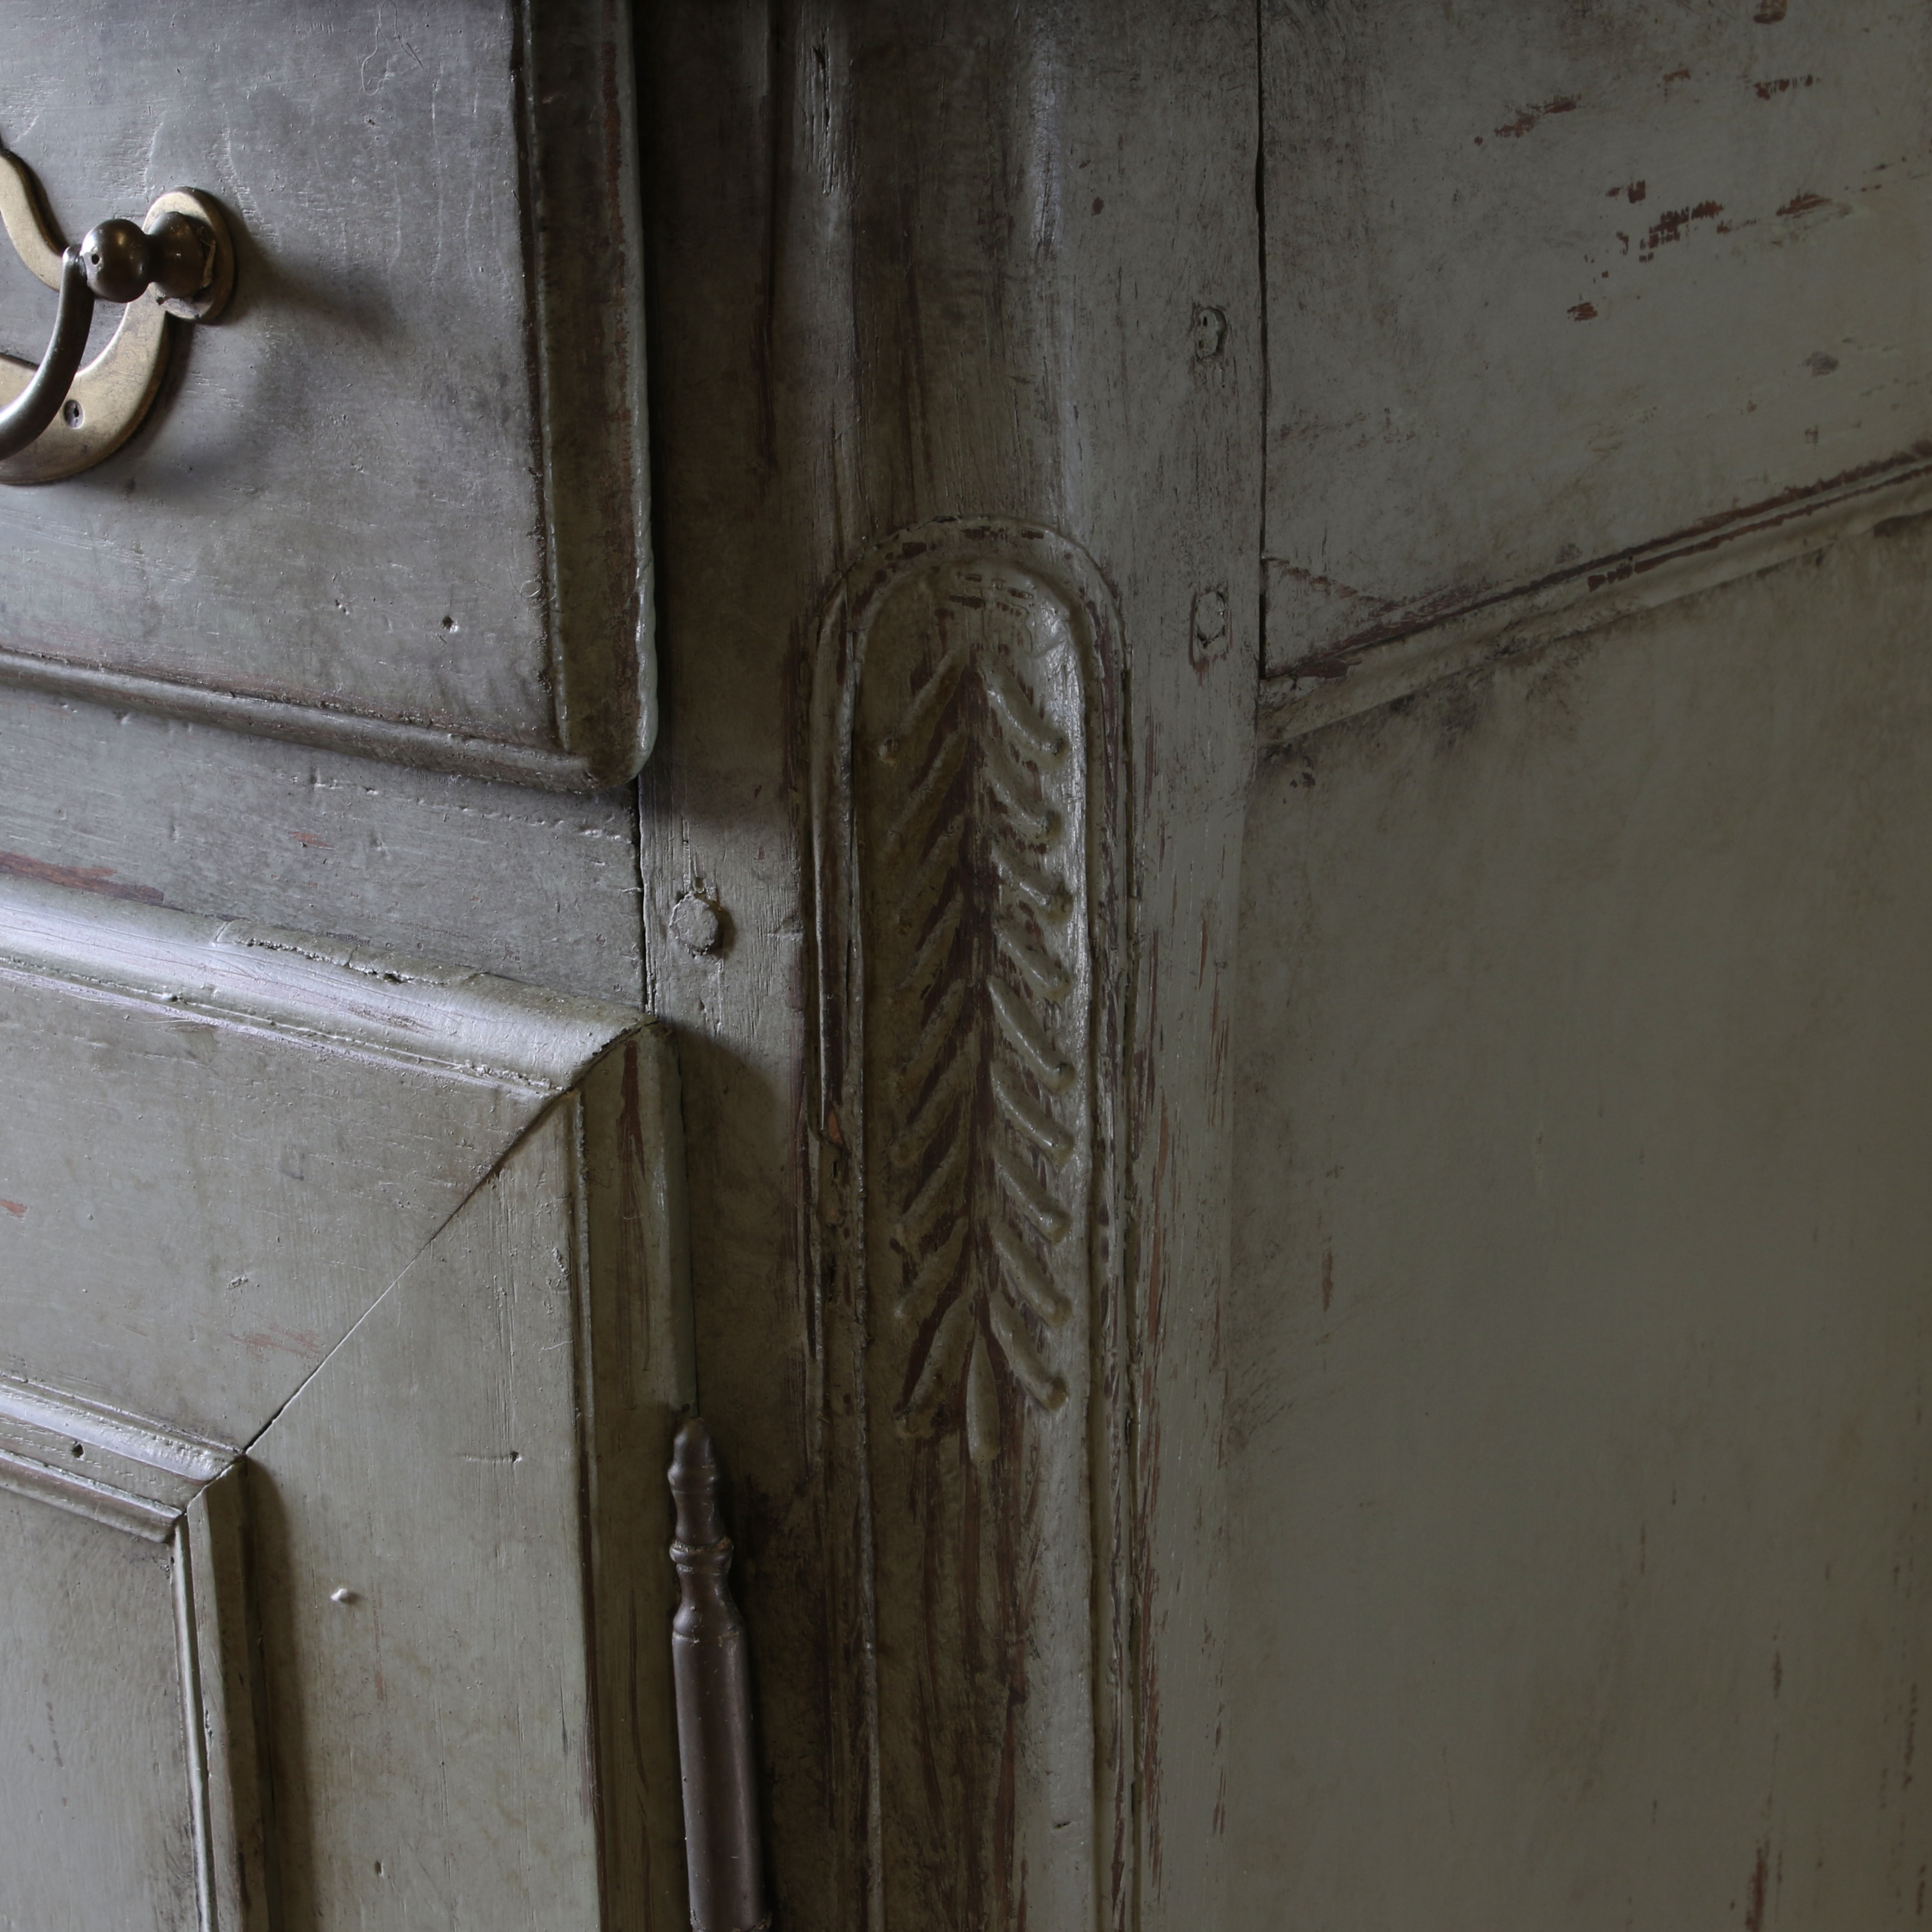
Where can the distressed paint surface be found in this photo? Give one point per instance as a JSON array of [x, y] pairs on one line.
[[973, 763], [131, 1681], [95, 1739], [965, 799], [1006, 267], [200, 1273], [1580, 1335], [453, 1523], [1550, 284]]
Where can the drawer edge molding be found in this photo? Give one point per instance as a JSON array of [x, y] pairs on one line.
[[583, 238], [424, 747], [308, 986]]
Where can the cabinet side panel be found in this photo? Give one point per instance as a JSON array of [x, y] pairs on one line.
[[1510, 253], [1579, 1340]]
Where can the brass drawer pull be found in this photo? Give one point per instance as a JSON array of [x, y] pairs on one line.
[[60, 417]]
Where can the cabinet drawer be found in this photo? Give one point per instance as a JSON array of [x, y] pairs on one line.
[[394, 498]]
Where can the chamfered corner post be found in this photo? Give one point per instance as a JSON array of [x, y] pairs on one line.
[[713, 1679]]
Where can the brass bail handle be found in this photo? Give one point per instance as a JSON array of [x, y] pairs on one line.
[[61, 417], [115, 262]]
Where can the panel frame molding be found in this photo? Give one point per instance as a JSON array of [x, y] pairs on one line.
[[148, 1481], [595, 1083]]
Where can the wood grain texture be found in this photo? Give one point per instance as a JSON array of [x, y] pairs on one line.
[[637, 1378], [1578, 1332], [983, 265], [397, 498], [1021, 1658], [743, 570], [1551, 293]]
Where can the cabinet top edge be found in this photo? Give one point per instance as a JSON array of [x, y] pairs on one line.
[[329, 990]]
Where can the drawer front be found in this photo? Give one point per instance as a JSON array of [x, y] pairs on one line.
[[394, 497]]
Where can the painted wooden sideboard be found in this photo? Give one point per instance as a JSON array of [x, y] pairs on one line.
[[1152, 778]]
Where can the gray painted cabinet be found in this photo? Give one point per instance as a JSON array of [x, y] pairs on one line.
[[1256, 738], [344, 1304]]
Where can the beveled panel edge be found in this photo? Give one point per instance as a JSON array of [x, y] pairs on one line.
[[1330, 687], [227, 1717], [470, 1023], [41, 1479], [423, 747], [65, 1418], [584, 240]]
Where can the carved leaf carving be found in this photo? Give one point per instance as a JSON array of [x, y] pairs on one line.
[[967, 798], [970, 762]]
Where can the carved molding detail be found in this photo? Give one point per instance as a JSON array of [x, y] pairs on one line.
[[970, 769], [965, 785], [956, 819]]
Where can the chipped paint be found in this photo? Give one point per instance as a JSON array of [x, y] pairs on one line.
[[1754, 1891], [1528, 117], [100, 879]]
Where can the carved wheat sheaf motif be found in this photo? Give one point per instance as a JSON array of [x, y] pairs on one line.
[[970, 759]]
